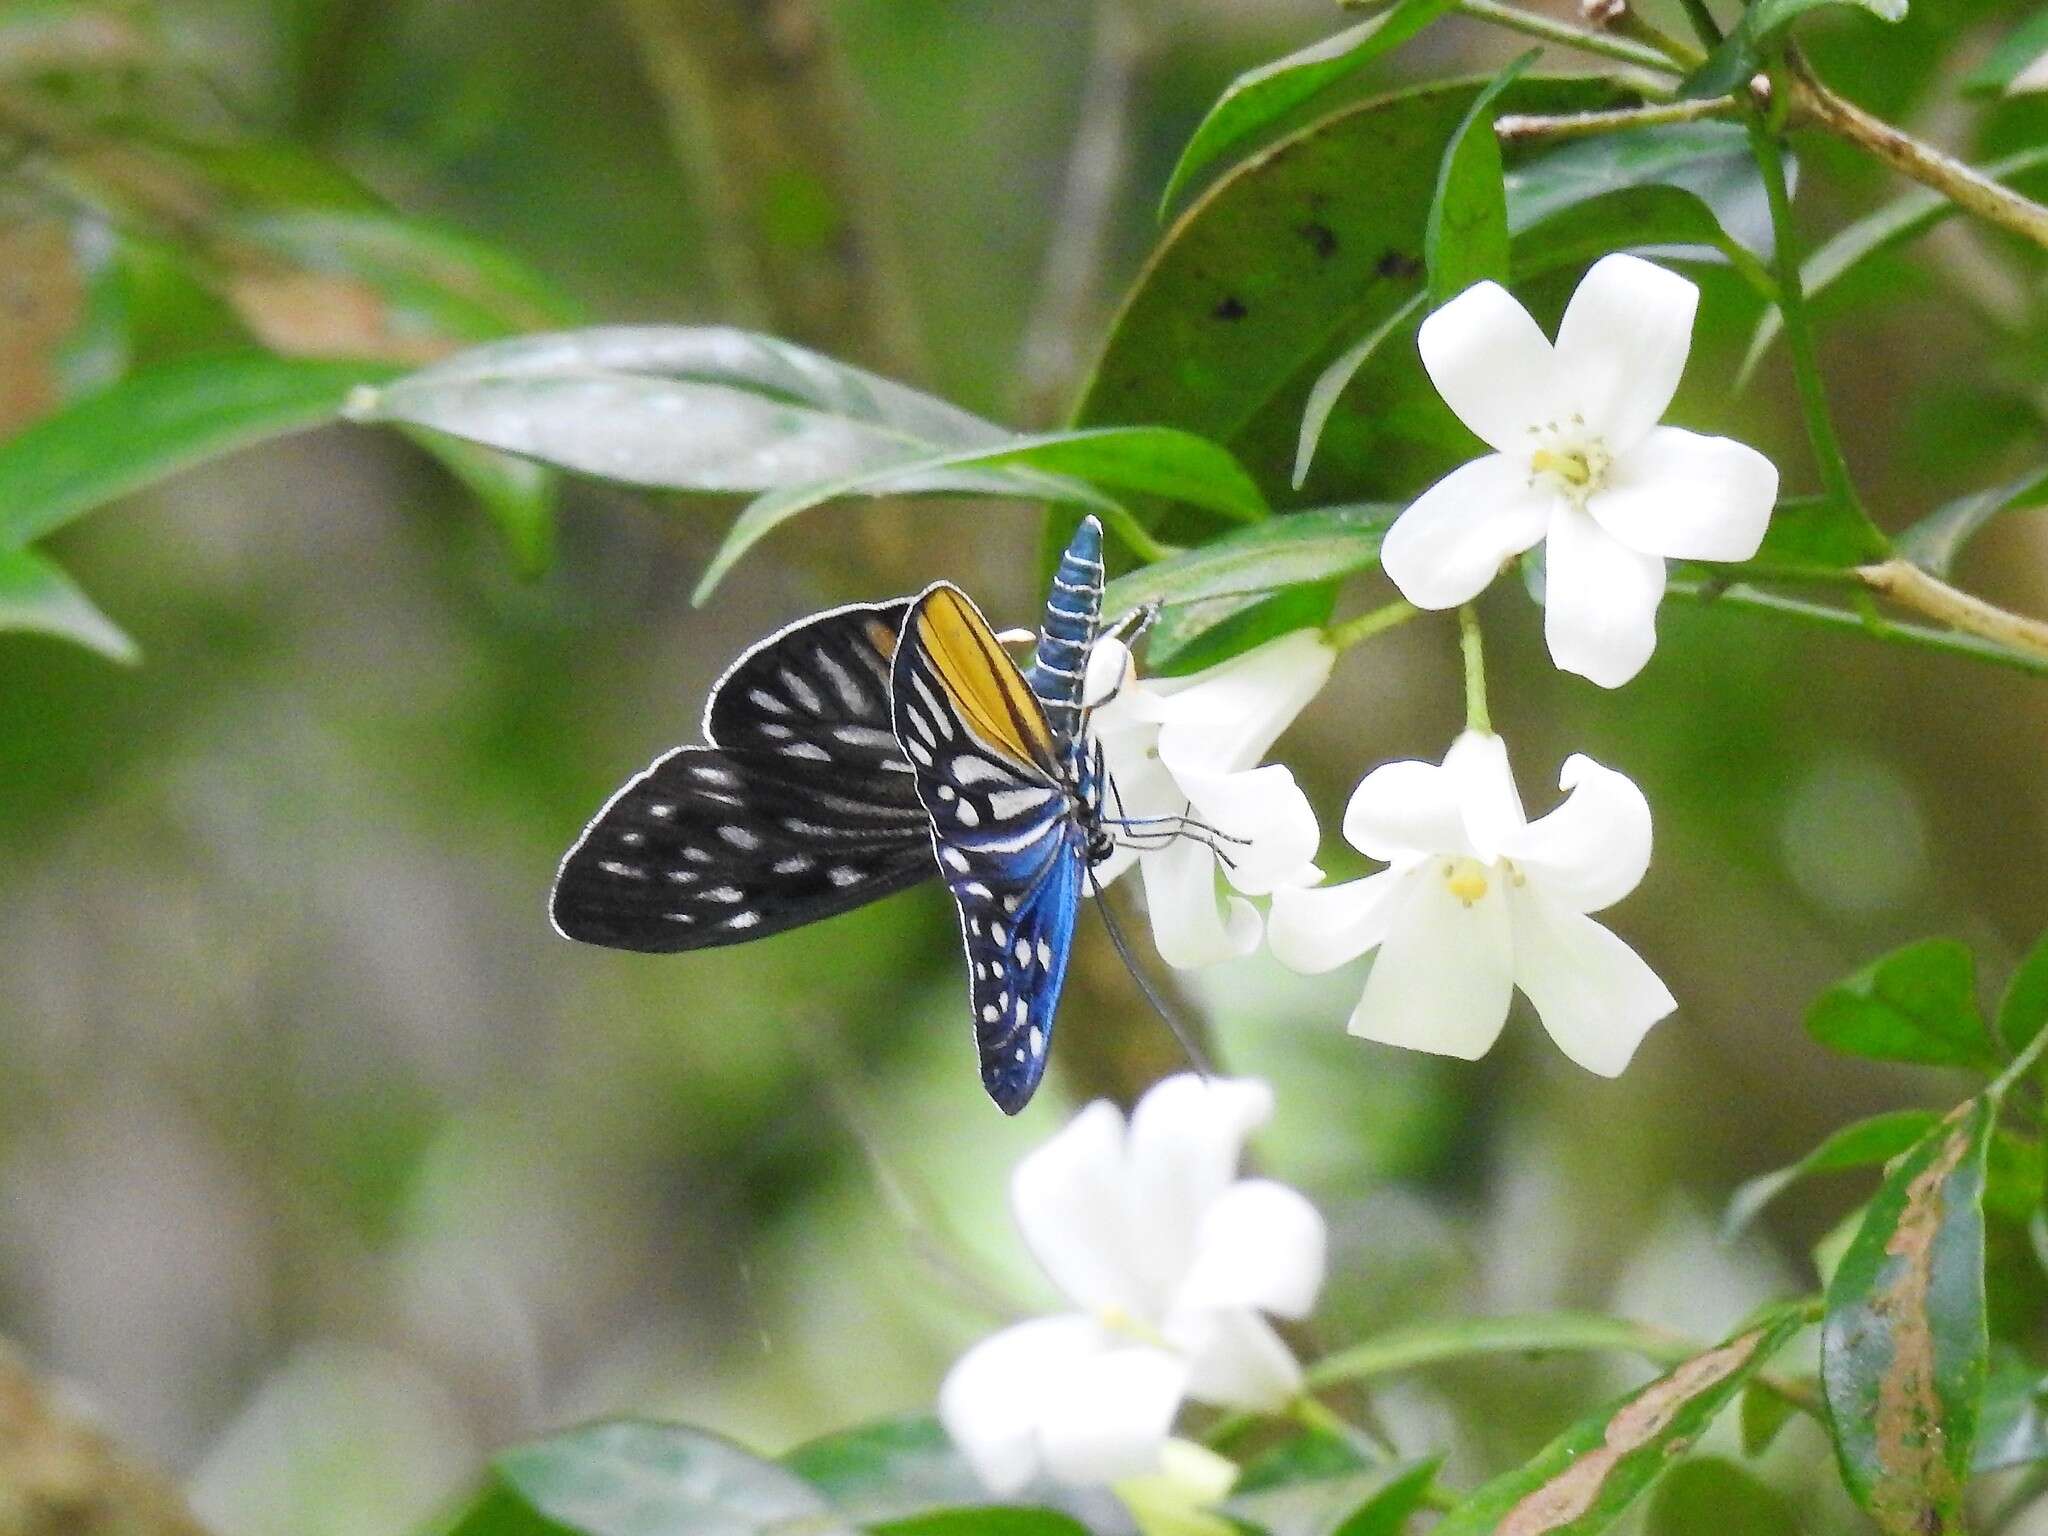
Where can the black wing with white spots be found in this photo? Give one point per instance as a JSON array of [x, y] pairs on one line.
[[801, 808]]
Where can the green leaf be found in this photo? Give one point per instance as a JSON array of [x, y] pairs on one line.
[[1903, 219], [1386, 1513], [1936, 542], [1916, 1004], [1712, 1497], [2013, 1428], [1808, 536], [156, 422], [2025, 45], [1762, 1414], [1582, 1481], [1711, 160], [887, 1470], [1192, 637], [636, 1478], [1299, 549], [1860, 1145], [2023, 1011], [1059, 466], [1261, 100], [35, 595], [1626, 218], [1904, 1347], [1309, 1456], [1332, 381], [1276, 269], [1746, 49], [983, 1520], [1536, 1333], [1466, 239]]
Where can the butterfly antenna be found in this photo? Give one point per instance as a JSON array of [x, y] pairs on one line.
[[1197, 1057]]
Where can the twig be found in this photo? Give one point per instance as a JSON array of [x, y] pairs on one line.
[[1911, 587], [59, 1475], [1579, 125], [1551, 30], [1969, 189], [1070, 283]]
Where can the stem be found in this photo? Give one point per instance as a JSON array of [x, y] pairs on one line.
[[1684, 55], [1703, 24], [1471, 646], [1969, 189], [1579, 125], [1551, 30], [1311, 1414], [1813, 405], [1911, 587], [1341, 637], [1757, 600]]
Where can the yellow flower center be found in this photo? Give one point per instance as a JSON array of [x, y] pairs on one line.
[[1120, 1320], [1569, 466], [1571, 459], [1465, 879]]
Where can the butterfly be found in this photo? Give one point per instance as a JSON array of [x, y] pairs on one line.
[[858, 752]]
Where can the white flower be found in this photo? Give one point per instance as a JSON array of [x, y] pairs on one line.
[[1580, 461], [1189, 747], [1479, 900], [1168, 1259]]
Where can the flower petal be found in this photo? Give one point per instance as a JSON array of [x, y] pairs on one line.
[[1404, 810], [1688, 497], [1069, 1196], [1488, 802], [1187, 1134], [1622, 346], [1318, 930], [1492, 365], [1237, 1360], [1267, 810], [1594, 994], [1109, 672], [1444, 976], [1111, 1414], [1455, 536], [1593, 849], [995, 1398], [1193, 924], [1600, 601], [1227, 718], [1261, 1246]]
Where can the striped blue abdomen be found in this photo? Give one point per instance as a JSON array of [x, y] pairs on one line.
[[1073, 611]]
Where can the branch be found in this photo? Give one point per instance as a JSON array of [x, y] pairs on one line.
[[58, 1477], [1911, 587], [1580, 125], [1969, 189]]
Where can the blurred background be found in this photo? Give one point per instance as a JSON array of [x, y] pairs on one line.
[[326, 1167]]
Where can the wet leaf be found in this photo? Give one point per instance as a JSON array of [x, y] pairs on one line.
[[37, 597], [1586, 1478], [1916, 1004], [1863, 1144], [1466, 238], [1904, 1346], [156, 422], [1263, 100], [636, 1478]]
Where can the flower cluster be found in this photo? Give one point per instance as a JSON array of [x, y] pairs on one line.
[[1172, 1264]]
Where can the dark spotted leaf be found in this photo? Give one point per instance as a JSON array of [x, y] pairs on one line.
[[1904, 1348], [1589, 1475]]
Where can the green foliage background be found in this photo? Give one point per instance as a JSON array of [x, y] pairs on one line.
[[327, 1167]]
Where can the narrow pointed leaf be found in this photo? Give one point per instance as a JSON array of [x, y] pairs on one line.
[[1748, 47], [1585, 1479], [156, 422], [2023, 1011], [37, 597], [1937, 541], [2020, 54], [1261, 100], [1904, 1350], [1299, 549], [1538, 1333], [1466, 240], [1864, 1144]]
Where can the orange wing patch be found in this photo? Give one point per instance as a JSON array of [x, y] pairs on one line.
[[981, 680]]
